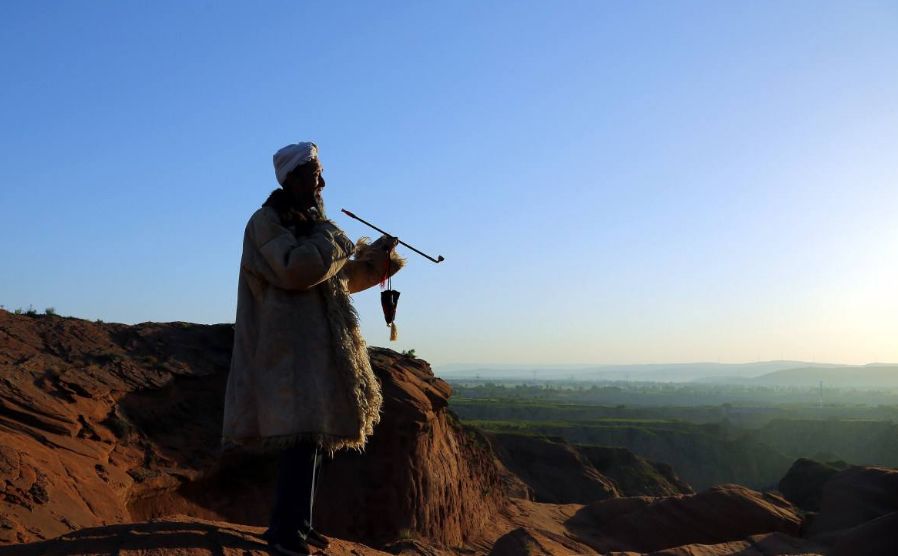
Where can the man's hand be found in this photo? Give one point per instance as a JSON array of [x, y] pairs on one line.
[[386, 242]]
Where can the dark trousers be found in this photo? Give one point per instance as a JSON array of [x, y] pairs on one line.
[[298, 471]]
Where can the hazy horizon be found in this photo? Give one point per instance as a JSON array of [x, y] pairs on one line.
[[757, 374], [623, 182], [461, 365]]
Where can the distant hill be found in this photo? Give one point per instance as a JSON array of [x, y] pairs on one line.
[[868, 376], [660, 372]]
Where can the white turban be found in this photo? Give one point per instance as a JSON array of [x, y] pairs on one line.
[[291, 156]]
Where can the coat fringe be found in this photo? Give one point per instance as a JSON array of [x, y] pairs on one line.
[[353, 362], [275, 444]]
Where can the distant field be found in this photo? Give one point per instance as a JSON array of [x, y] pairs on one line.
[[675, 394], [604, 422], [749, 416], [702, 454], [706, 445], [607, 423]]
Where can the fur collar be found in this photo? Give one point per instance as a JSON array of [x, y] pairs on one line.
[[300, 222]]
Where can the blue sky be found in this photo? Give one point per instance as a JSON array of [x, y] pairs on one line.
[[610, 182]]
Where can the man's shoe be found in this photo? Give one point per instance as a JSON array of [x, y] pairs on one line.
[[291, 545], [316, 539]]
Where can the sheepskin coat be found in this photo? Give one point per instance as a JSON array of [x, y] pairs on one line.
[[300, 368]]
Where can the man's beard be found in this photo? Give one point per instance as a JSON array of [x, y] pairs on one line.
[[311, 203], [318, 204]]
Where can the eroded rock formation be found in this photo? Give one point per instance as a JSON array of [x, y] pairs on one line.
[[554, 470], [108, 423], [720, 514]]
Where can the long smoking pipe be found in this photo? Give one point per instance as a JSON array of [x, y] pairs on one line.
[[439, 258]]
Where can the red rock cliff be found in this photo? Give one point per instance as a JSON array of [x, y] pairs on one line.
[[109, 423]]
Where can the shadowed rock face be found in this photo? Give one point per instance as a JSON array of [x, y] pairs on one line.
[[855, 508], [854, 497], [803, 483], [720, 514], [109, 423], [633, 475], [872, 538], [553, 470]]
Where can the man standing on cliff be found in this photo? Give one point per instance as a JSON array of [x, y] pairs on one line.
[[300, 381]]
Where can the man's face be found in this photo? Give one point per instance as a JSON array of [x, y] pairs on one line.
[[305, 183]]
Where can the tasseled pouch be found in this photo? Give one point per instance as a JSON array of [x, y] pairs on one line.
[[388, 301], [389, 298]]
